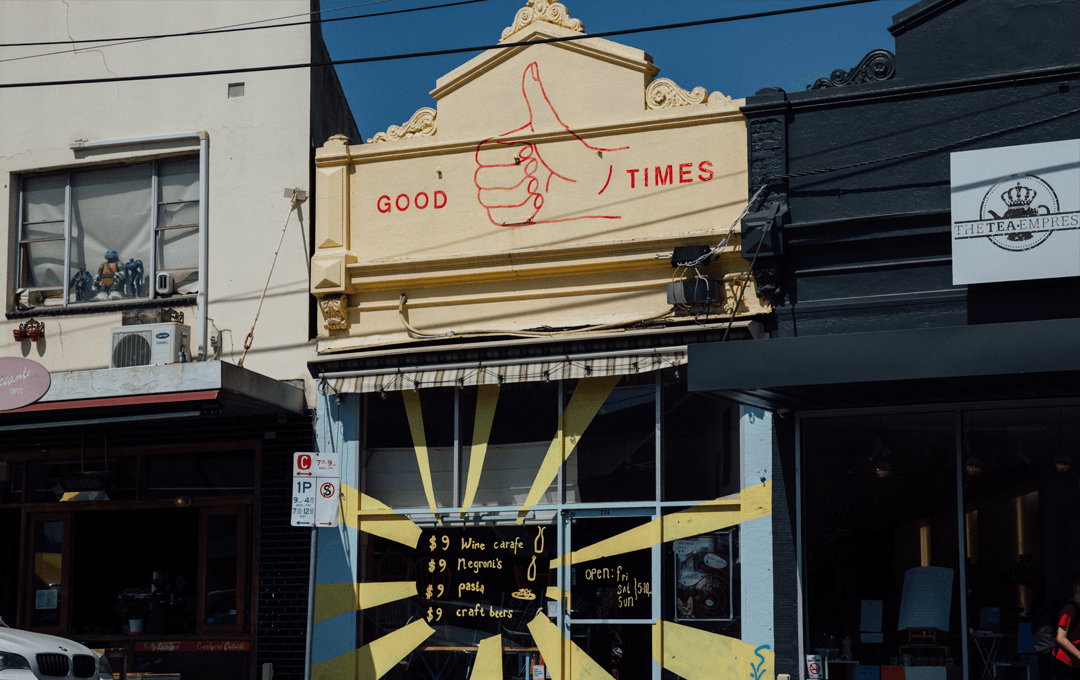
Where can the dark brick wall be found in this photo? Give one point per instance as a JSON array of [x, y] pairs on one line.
[[284, 557]]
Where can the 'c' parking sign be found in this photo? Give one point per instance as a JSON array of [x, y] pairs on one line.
[[315, 490]]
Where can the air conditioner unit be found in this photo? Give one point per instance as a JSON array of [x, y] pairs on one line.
[[152, 344]]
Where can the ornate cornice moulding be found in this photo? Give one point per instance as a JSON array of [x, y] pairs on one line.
[[542, 10], [663, 93], [422, 124]]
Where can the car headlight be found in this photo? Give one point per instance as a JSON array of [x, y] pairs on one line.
[[9, 661], [104, 667]]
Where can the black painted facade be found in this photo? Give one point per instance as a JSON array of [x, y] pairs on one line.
[[858, 242]]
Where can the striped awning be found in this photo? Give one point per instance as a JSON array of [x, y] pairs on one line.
[[567, 367]]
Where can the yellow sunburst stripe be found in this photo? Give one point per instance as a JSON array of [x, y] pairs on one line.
[[489, 661], [332, 599], [339, 668], [487, 397], [696, 520], [550, 642], [364, 513], [416, 427], [378, 658], [699, 655], [589, 395]]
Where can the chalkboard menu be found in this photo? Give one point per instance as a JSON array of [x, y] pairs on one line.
[[489, 579]]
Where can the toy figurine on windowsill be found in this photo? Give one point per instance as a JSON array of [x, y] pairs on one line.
[[82, 286], [110, 278], [133, 278]]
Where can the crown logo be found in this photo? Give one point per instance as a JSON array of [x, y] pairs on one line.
[[1019, 196]]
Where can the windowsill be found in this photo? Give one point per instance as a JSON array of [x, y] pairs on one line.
[[105, 306]]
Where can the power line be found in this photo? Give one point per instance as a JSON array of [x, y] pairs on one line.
[[225, 29], [435, 53], [220, 29]]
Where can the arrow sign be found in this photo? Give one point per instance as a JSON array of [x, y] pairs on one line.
[[316, 487]]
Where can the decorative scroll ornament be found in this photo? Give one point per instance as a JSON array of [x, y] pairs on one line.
[[542, 10], [875, 66], [663, 93], [422, 124], [335, 309]]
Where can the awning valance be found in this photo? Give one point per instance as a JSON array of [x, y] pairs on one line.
[[566, 367]]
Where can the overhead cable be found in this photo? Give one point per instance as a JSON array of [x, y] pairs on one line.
[[434, 53], [114, 42]]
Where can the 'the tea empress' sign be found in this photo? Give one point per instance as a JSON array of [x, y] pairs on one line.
[[1016, 213]]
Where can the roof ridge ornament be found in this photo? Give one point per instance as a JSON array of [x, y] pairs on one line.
[[879, 64], [422, 124], [542, 10], [665, 93]]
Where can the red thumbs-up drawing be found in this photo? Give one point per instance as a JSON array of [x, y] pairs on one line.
[[518, 185]]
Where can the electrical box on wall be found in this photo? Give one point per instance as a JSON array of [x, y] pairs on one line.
[[153, 344]]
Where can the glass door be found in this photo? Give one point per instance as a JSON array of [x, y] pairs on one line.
[[49, 573], [611, 578]]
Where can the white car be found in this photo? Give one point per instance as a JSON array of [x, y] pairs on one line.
[[34, 656]]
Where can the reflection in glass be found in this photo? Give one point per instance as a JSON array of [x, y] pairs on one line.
[[865, 530], [48, 567], [701, 456], [615, 459], [222, 535], [391, 471]]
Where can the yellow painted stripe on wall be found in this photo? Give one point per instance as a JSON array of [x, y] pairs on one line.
[[378, 658], [339, 668], [489, 660], [416, 427], [333, 599], [699, 655], [487, 398], [370, 515], [696, 520], [373, 594], [589, 395], [551, 643]]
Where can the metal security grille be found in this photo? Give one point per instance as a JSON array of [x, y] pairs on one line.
[[132, 350], [83, 665], [52, 665]]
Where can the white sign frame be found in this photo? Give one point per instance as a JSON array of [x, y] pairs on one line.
[[316, 489], [1036, 190]]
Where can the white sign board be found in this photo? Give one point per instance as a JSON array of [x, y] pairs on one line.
[[927, 598], [316, 490], [1016, 212]]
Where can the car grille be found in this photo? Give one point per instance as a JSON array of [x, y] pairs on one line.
[[52, 665], [84, 665]]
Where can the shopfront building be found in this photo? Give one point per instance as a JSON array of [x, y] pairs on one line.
[[922, 362], [153, 526], [528, 487]]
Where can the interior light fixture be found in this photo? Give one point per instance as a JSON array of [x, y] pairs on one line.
[[973, 467], [181, 501], [882, 469], [1063, 463]]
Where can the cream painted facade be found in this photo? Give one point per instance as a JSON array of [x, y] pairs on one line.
[[546, 190], [258, 144], [505, 382]]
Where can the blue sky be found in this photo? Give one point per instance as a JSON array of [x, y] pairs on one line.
[[736, 58]]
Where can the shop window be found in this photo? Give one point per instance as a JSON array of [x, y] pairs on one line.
[[392, 470], [701, 459], [616, 459], [9, 577], [225, 473], [880, 518], [11, 481], [223, 562], [524, 424], [105, 232]]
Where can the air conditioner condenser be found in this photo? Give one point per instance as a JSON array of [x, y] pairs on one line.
[[154, 344]]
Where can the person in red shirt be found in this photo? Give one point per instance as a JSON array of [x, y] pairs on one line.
[[1067, 651]]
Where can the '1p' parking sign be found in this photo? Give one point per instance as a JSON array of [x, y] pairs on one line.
[[315, 490]]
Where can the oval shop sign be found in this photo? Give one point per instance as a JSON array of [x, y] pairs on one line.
[[22, 382]]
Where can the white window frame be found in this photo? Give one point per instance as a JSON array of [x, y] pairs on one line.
[[157, 231]]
